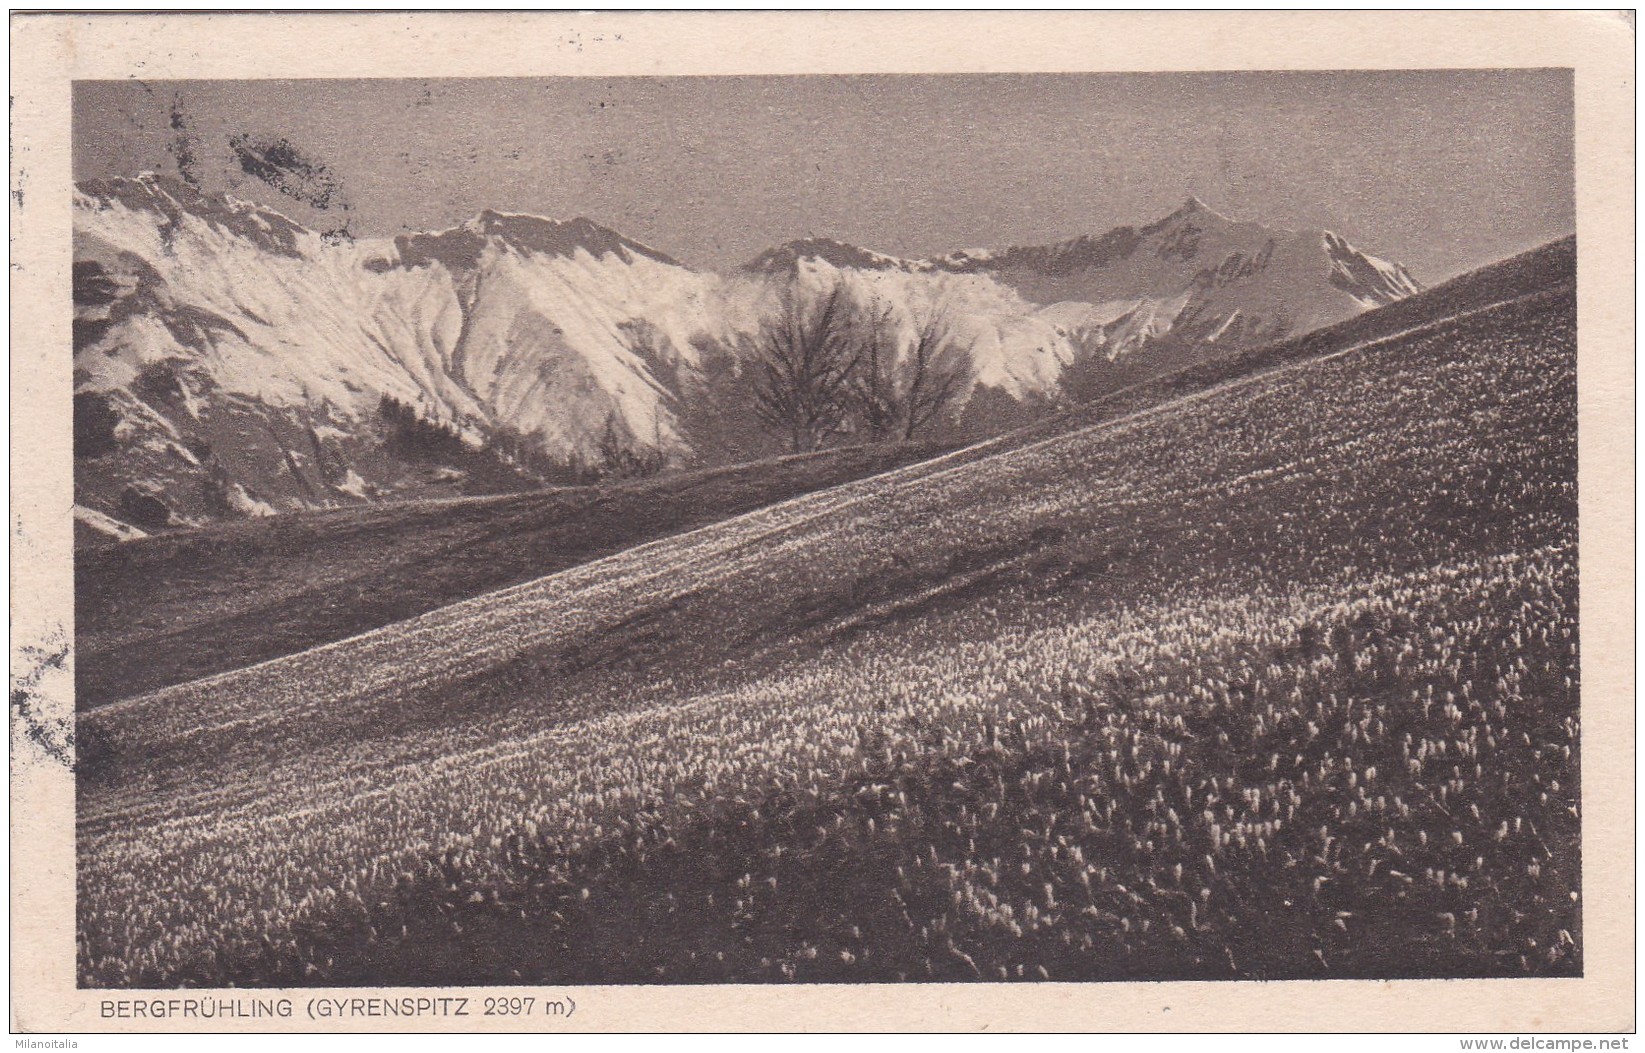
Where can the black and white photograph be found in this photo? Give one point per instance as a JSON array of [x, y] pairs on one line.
[[998, 528]]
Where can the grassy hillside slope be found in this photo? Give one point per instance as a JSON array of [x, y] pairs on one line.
[[171, 608], [1277, 679], [165, 610]]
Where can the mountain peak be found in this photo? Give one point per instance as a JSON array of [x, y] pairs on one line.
[[527, 233], [459, 248], [837, 253], [171, 198], [1366, 278], [1191, 210]]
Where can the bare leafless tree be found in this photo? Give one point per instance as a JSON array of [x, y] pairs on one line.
[[806, 357], [874, 386], [896, 393], [935, 371], [622, 457]]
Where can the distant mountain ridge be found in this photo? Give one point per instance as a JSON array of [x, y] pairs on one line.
[[230, 361], [1194, 279]]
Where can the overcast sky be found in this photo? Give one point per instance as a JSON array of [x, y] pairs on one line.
[[1441, 171]]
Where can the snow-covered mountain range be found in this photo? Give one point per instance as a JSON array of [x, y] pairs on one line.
[[230, 362]]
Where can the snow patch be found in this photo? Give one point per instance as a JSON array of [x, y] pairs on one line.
[[354, 486], [247, 505], [107, 524]]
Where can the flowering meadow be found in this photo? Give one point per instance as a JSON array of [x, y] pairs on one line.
[[1276, 680]]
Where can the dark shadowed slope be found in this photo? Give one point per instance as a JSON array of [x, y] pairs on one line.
[[168, 609], [1277, 679], [165, 610]]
